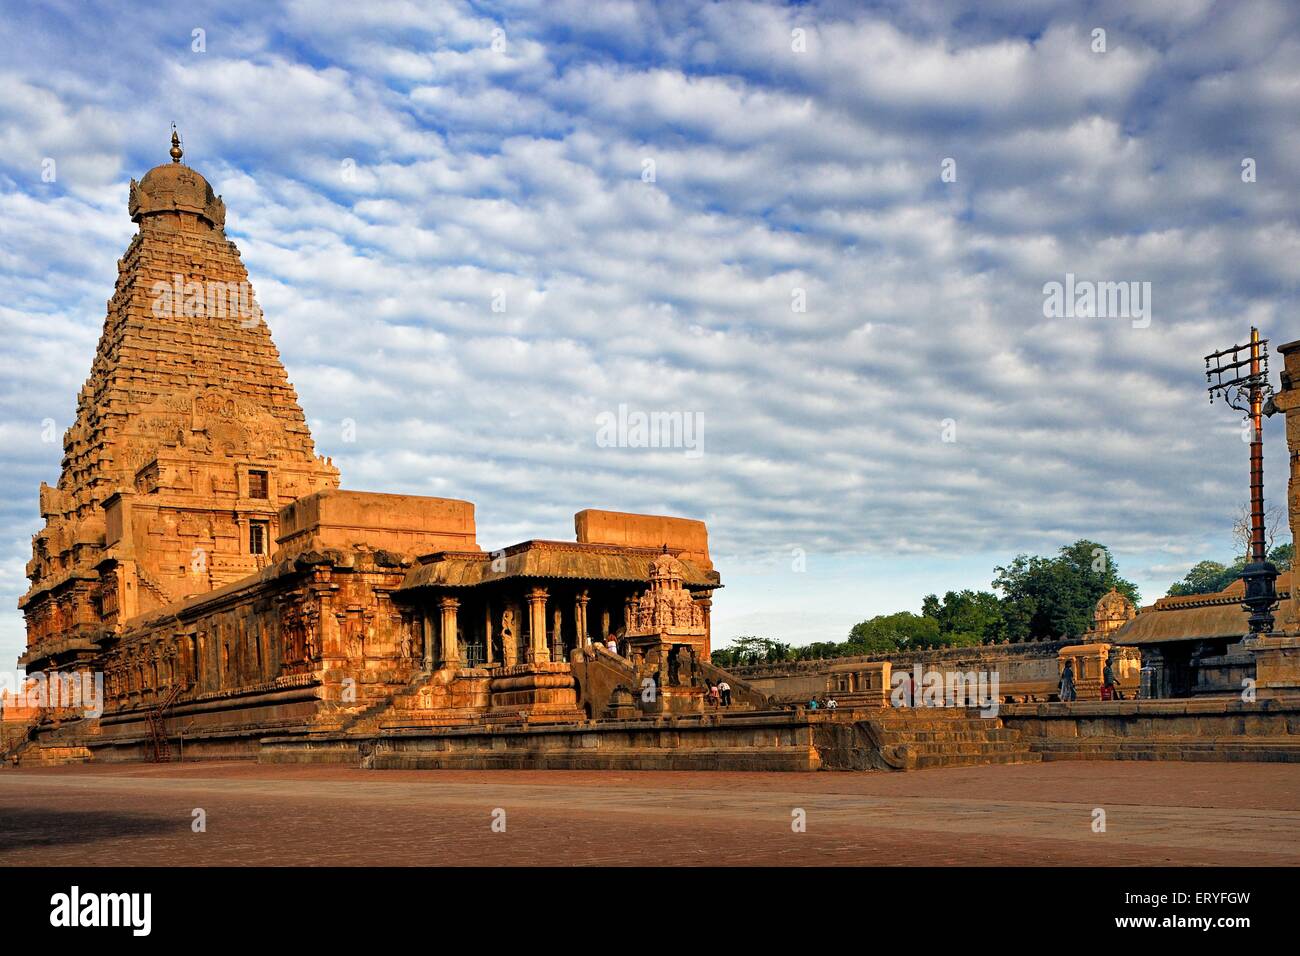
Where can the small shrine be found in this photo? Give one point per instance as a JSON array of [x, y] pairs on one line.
[[667, 638]]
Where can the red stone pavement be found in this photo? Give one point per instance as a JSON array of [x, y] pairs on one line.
[[1162, 813]]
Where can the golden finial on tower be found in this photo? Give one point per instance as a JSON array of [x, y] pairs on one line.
[[176, 151]]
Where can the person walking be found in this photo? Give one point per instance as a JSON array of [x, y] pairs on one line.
[[715, 695], [724, 689], [910, 684], [611, 644], [1067, 682], [1110, 681]]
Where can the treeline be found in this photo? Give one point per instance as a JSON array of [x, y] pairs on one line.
[[1034, 598], [1211, 576]]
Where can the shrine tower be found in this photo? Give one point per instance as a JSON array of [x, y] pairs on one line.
[[188, 436]]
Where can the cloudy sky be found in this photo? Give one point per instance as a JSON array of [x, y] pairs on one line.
[[647, 193]]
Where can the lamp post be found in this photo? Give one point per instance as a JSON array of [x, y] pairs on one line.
[[1239, 375]]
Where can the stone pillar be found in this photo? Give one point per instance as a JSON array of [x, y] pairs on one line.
[[604, 626], [538, 653], [449, 653], [706, 604], [487, 633], [427, 630], [580, 618], [1277, 655], [629, 612], [1287, 401]]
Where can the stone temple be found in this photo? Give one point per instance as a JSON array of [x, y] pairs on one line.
[[200, 555]]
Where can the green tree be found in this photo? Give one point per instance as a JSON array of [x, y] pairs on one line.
[[1055, 597], [751, 650], [888, 632], [819, 650], [967, 617], [1210, 577], [1282, 556], [1207, 577]]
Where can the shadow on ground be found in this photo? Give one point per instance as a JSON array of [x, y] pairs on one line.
[[25, 827]]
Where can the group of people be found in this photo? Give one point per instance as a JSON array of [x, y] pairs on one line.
[[719, 694], [822, 703], [1109, 682]]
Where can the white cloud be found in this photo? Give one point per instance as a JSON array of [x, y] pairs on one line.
[[471, 170]]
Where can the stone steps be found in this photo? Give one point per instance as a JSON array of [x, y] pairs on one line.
[[971, 748], [927, 723], [951, 736], [934, 761], [938, 737], [1263, 749], [35, 754]]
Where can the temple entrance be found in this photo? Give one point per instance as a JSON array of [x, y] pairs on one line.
[[1179, 675]]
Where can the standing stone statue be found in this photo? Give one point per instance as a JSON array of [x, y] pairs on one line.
[[674, 667]]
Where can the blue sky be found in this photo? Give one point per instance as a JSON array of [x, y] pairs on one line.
[[390, 167]]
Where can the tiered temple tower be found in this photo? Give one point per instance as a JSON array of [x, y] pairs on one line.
[[188, 435]]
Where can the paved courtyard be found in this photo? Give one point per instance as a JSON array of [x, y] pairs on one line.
[[1036, 814]]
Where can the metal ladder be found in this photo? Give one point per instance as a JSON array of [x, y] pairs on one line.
[[162, 751]]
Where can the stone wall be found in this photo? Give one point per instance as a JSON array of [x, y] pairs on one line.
[[684, 537], [782, 742], [1026, 670], [1223, 729], [300, 642], [405, 524]]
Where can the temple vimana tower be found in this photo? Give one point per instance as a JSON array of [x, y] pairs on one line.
[[188, 436], [199, 554]]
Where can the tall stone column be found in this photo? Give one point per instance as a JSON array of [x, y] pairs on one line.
[[1287, 401], [706, 604], [1277, 655], [580, 618], [449, 653], [427, 630], [538, 653]]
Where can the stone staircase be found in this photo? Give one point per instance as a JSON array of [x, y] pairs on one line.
[[1275, 749], [376, 700], [744, 695], [921, 738], [160, 594], [44, 746]]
